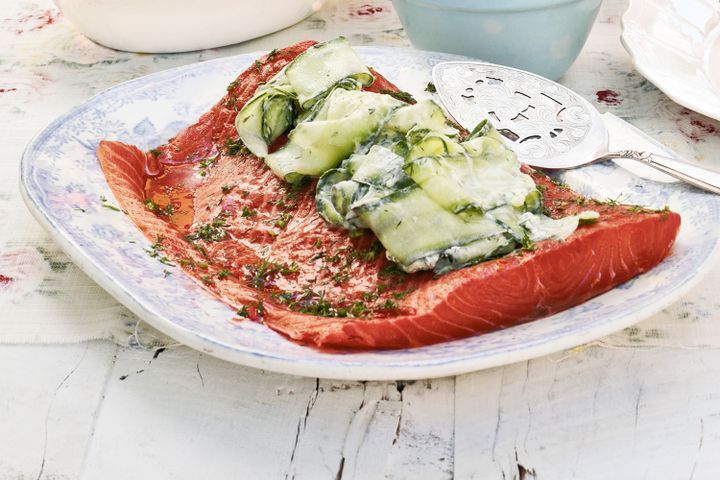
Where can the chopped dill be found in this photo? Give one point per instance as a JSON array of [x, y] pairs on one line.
[[260, 273], [340, 277], [527, 244], [282, 221], [109, 206], [235, 147], [389, 305], [168, 210], [247, 212], [231, 101], [402, 96], [587, 221], [156, 249], [214, 231], [390, 270]]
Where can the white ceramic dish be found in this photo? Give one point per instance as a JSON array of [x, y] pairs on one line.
[[160, 26], [676, 45], [62, 184]]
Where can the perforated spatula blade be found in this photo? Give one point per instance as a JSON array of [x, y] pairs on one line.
[[549, 125]]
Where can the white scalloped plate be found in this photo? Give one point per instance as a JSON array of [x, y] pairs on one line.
[[60, 176], [676, 45]]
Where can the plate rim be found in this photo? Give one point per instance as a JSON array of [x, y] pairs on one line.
[[430, 368], [646, 70]]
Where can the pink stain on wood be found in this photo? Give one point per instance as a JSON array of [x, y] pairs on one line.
[[608, 97], [32, 22], [5, 280], [367, 10], [695, 127]]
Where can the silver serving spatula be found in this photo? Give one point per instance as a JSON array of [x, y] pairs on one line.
[[550, 126]]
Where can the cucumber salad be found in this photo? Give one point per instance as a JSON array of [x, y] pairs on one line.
[[436, 199]]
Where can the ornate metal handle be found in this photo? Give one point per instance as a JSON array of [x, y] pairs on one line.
[[700, 177]]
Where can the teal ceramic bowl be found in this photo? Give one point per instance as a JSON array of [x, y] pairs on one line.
[[541, 36]]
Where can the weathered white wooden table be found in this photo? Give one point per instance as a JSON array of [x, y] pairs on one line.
[[644, 403]]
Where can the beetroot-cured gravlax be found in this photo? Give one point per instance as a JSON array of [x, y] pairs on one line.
[[310, 260]]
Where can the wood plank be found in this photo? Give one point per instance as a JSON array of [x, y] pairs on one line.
[[48, 400], [185, 415], [319, 452], [423, 447], [372, 433], [377, 430], [594, 414]]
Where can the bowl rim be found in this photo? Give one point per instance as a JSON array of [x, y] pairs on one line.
[[492, 6]]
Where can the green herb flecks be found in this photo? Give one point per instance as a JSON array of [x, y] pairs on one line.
[[340, 277], [401, 295], [167, 210], [235, 147], [588, 221], [402, 96], [664, 212], [231, 101], [187, 262], [389, 305], [262, 273], [205, 163], [156, 249], [214, 231], [430, 87], [370, 253], [311, 302], [478, 130], [391, 269], [613, 202], [109, 206], [527, 244], [282, 220], [247, 212], [228, 187]]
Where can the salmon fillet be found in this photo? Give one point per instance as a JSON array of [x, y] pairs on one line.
[[258, 244]]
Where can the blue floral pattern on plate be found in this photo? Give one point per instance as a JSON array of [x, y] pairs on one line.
[[63, 184]]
